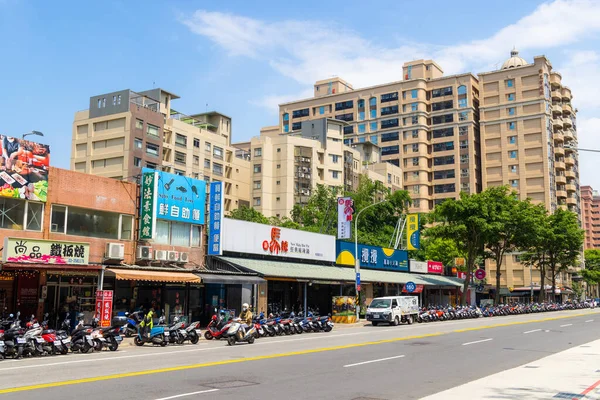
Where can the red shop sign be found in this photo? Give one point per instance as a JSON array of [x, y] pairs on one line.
[[104, 303], [435, 267], [418, 289]]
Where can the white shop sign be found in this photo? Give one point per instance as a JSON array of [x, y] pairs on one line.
[[418, 266]]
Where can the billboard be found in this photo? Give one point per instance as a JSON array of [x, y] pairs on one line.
[[170, 197], [345, 212], [418, 266], [413, 236], [24, 169], [249, 237], [38, 251], [372, 257], [435, 267], [216, 201]]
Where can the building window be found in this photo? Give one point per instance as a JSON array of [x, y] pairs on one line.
[[510, 83], [446, 174], [373, 113], [286, 117], [462, 103], [511, 111], [389, 123], [137, 162], [512, 140], [416, 188], [415, 161], [279, 149], [152, 130], [464, 144], [444, 160], [196, 160], [442, 119], [447, 91], [387, 150], [335, 174], [258, 152], [514, 182], [389, 110], [207, 163], [296, 126], [152, 149], [139, 124], [344, 105], [348, 130], [448, 188], [512, 154], [464, 173], [361, 115], [462, 89], [389, 97], [217, 169], [444, 132], [256, 202], [464, 158], [361, 103], [335, 158], [179, 172], [414, 120], [374, 139], [415, 174], [257, 168], [180, 140], [179, 157], [414, 93], [278, 183], [178, 234], [286, 128], [19, 214], [463, 130], [416, 203], [300, 113], [442, 105], [373, 101], [322, 110], [197, 143], [389, 136], [414, 107], [99, 103], [91, 223], [151, 165], [444, 146], [373, 126], [278, 166], [218, 153], [415, 147], [463, 116], [138, 143], [257, 184], [511, 126], [361, 128], [510, 97], [514, 169], [207, 147]]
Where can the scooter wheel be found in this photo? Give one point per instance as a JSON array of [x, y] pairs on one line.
[[271, 333], [98, 345], [64, 350], [195, 339], [207, 335], [163, 343], [127, 333], [251, 340], [138, 341], [114, 345], [231, 340]]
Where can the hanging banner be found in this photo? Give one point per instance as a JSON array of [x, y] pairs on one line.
[[216, 201], [345, 212], [413, 236], [104, 303], [148, 205]]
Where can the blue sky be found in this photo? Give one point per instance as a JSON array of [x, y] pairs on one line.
[[243, 58]]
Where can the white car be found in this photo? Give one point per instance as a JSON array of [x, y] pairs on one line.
[[393, 310]]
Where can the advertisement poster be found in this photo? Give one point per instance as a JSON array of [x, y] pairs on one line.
[[435, 267], [104, 303], [345, 212], [45, 251], [216, 201], [372, 257], [343, 309], [24, 169], [413, 236]]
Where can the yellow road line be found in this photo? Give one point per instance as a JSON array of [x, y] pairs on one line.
[[266, 357]]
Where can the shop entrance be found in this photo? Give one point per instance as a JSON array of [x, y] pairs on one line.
[[70, 293]]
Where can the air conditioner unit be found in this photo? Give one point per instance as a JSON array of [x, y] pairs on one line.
[[184, 257], [160, 255], [173, 256], [144, 253], [115, 251]]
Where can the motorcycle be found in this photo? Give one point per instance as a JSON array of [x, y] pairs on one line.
[[81, 337], [55, 344], [177, 332], [34, 342], [12, 337], [217, 327], [236, 334], [131, 325], [108, 337], [158, 335], [193, 332]]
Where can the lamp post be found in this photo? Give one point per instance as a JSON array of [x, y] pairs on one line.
[[580, 149], [356, 259], [36, 133]]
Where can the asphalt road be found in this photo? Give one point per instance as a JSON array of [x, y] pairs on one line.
[[405, 362]]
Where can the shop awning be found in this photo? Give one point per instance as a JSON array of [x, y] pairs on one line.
[[154, 276], [231, 279]]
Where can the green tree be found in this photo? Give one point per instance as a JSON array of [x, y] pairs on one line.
[[535, 250], [591, 273], [319, 213], [248, 214], [437, 249], [465, 222]]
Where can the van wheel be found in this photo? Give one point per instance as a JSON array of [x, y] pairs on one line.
[[410, 319], [396, 321], [375, 323]]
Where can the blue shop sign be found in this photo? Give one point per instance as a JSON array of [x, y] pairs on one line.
[[372, 257], [179, 198]]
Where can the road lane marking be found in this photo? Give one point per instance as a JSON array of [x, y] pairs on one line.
[[531, 331], [477, 341], [590, 320], [266, 357], [565, 325], [188, 394], [373, 361]]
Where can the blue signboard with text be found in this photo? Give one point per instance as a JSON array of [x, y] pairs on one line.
[[372, 257], [215, 219], [177, 198]]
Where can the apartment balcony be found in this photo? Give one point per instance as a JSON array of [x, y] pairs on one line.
[[559, 151], [571, 188], [570, 173], [568, 135], [566, 94], [561, 179], [557, 110], [556, 95], [558, 137], [569, 161], [567, 109], [571, 201], [557, 123], [561, 194], [563, 207], [567, 123], [555, 80], [559, 165]]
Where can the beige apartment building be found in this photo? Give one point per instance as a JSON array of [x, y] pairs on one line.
[[287, 167], [590, 217], [427, 124], [529, 142], [125, 131]]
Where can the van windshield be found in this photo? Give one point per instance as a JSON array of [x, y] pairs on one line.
[[380, 303]]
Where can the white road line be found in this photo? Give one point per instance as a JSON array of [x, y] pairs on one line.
[[372, 361], [534, 330], [188, 394], [565, 325], [590, 320], [477, 341]]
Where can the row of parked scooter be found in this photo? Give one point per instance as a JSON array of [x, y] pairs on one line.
[[437, 313], [284, 324], [35, 339]]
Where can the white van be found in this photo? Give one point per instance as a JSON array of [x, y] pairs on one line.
[[393, 310]]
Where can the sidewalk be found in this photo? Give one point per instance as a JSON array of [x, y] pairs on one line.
[[571, 374]]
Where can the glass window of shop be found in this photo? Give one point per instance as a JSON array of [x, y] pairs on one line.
[[68, 294], [91, 223], [178, 234], [20, 214]]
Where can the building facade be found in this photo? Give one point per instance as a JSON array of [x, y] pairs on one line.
[[427, 124], [590, 216], [125, 131]]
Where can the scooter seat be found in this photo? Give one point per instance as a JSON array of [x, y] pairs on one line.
[[48, 331]]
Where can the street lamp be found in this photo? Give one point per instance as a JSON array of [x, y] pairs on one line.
[[36, 133], [356, 259], [569, 147]]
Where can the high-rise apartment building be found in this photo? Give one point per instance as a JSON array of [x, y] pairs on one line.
[[287, 167], [590, 217], [124, 131], [427, 124]]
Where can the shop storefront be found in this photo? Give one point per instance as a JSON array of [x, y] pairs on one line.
[[437, 289]]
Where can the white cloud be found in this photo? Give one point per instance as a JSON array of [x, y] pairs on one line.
[[580, 74], [588, 134]]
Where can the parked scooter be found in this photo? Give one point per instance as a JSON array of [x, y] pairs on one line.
[[236, 333], [217, 327], [131, 326], [81, 337], [12, 336], [193, 332], [34, 342], [108, 337], [54, 343], [158, 335], [177, 332]]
